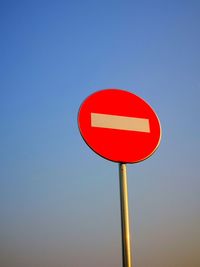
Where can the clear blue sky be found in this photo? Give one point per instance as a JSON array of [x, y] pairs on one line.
[[59, 202]]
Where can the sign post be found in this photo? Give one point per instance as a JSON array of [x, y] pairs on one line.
[[123, 128], [126, 237]]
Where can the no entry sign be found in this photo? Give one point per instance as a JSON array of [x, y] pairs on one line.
[[119, 126]]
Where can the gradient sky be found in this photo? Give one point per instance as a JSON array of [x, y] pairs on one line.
[[59, 202]]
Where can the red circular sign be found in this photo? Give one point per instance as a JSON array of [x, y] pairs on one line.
[[119, 126]]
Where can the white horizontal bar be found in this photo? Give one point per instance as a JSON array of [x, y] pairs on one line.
[[120, 122]]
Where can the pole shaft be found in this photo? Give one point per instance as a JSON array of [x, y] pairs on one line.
[[126, 240]]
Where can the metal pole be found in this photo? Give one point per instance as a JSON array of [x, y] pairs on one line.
[[126, 240]]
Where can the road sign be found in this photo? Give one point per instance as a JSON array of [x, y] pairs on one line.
[[119, 126]]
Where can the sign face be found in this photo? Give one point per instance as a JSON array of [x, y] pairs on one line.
[[119, 126]]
